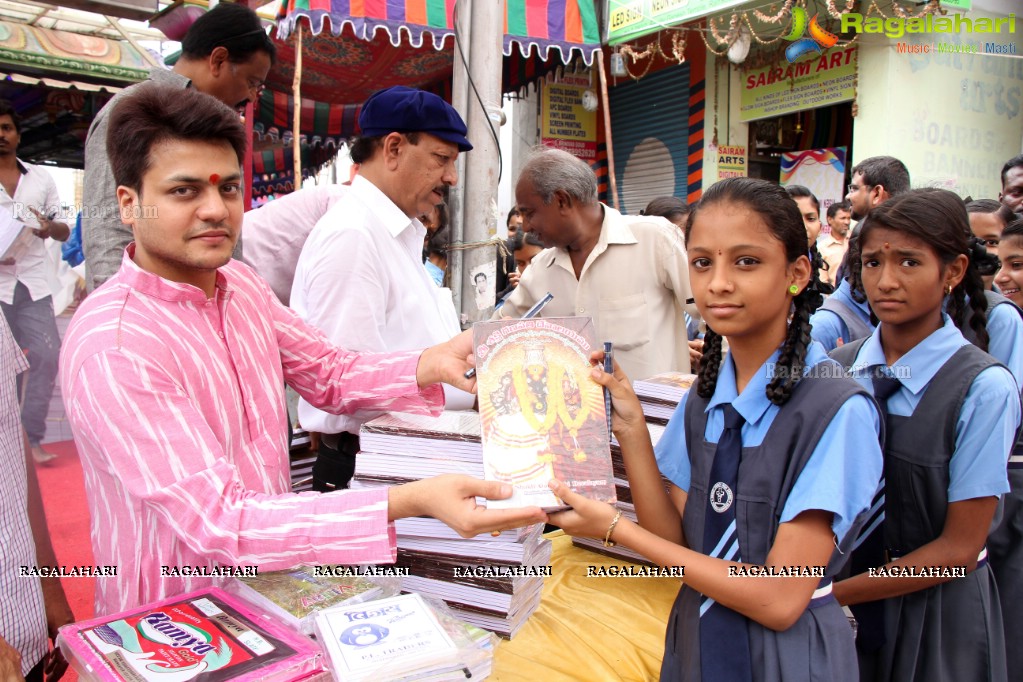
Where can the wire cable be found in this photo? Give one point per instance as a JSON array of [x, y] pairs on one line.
[[468, 74]]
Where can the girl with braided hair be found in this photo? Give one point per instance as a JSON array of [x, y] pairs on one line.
[[922, 582], [810, 210], [773, 457]]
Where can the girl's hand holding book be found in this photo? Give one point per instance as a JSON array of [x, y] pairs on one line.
[[587, 518]]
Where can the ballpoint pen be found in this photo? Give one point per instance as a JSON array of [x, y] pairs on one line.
[[609, 366], [532, 312]]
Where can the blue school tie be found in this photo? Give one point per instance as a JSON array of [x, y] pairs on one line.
[[724, 643], [869, 546]]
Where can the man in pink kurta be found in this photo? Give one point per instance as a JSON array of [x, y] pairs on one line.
[[173, 372]]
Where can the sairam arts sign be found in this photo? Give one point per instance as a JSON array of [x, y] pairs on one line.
[[777, 89]]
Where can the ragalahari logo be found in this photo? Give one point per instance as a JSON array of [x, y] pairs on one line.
[[819, 38]]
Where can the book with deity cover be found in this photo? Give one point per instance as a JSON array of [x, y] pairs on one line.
[[541, 415]]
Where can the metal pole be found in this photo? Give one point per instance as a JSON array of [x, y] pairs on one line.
[[459, 100], [481, 164]]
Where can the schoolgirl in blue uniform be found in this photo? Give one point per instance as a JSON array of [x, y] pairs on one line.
[[952, 421], [773, 457], [1005, 543], [842, 319]]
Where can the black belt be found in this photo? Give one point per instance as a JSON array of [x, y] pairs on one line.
[[342, 442]]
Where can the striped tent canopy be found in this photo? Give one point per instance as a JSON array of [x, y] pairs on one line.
[[278, 159], [322, 124], [570, 26]]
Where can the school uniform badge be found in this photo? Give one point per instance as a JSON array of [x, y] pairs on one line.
[[720, 497]]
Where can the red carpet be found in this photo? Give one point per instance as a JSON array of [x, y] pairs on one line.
[[67, 515]]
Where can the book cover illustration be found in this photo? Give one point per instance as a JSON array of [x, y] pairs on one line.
[[204, 636], [541, 415]]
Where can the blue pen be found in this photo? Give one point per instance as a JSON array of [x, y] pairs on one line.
[[609, 366], [532, 312]]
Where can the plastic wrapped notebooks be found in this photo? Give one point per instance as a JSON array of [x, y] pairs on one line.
[[400, 638], [294, 596], [207, 636], [666, 388], [541, 415]]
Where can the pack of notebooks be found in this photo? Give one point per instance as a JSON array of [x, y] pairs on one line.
[[206, 635], [660, 394], [402, 638], [541, 415]]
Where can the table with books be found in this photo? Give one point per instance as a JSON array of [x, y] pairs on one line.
[[559, 608]]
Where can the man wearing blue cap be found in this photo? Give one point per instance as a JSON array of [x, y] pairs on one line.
[[360, 277]]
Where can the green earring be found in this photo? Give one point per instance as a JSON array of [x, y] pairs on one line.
[[794, 289]]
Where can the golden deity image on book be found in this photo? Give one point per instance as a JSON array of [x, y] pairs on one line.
[[541, 415]]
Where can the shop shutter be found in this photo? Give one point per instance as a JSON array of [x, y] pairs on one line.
[[650, 130]]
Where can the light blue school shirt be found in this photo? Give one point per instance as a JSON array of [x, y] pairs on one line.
[[843, 471], [436, 273], [1005, 329], [988, 419], [826, 328]]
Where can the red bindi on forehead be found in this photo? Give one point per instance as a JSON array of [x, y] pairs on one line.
[[214, 179]]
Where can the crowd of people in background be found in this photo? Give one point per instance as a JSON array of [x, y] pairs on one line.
[[856, 408]]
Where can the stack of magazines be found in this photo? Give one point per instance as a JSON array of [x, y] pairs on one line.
[[660, 394], [493, 582]]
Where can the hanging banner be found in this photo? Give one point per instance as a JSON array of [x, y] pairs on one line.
[[784, 88], [731, 162], [820, 170], [628, 19], [565, 122]]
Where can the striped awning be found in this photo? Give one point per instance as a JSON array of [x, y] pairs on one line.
[[570, 26], [321, 123]]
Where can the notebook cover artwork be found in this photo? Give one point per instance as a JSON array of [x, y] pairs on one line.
[[206, 636], [541, 415]]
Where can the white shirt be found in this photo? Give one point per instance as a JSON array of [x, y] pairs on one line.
[[360, 279], [36, 189], [22, 611], [275, 232], [634, 284]]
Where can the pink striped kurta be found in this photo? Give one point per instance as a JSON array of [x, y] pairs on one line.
[[176, 403]]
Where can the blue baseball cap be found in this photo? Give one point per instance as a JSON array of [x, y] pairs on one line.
[[406, 110]]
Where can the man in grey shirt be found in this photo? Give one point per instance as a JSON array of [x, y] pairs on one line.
[[227, 54]]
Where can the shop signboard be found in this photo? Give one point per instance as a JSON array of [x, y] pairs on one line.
[[565, 123], [628, 19], [731, 161], [784, 88]]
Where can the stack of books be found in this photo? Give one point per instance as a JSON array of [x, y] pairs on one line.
[[660, 394], [301, 461], [493, 582], [625, 502]]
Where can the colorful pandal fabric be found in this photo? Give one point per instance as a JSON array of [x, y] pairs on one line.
[[568, 25]]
